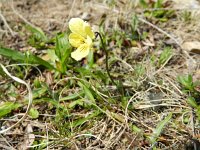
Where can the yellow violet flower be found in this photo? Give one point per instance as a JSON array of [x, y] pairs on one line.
[[81, 38]]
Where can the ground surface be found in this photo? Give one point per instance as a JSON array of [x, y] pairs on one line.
[[82, 108]]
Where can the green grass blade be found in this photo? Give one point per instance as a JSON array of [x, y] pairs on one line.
[[72, 96], [30, 58], [165, 55], [63, 48], [81, 121], [12, 54], [7, 107], [192, 102], [33, 59], [88, 92], [38, 34], [159, 128]]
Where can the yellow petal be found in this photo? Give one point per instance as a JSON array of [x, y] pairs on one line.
[[81, 52], [76, 40], [76, 25], [88, 41], [88, 30]]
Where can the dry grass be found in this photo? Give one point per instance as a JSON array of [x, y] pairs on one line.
[[149, 97]]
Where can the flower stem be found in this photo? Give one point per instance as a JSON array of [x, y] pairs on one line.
[[106, 52], [119, 87]]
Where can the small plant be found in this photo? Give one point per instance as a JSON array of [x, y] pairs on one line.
[[58, 55], [190, 88], [134, 28], [38, 38], [59, 58], [62, 51], [165, 56], [157, 10], [188, 85], [187, 16]]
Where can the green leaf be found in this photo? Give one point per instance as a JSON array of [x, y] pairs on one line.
[[39, 92], [136, 129], [38, 39], [83, 71], [79, 102], [143, 3], [33, 59], [98, 74], [90, 59], [51, 56], [88, 92], [81, 121], [38, 34], [7, 107], [63, 48], [160, 14], [13, 54], [33, 113], [191, 101], [158, 4], [134, 23], [198, 113], [187, 82], [159, 129], [72, 96], [48, 100], [165, 55], [24, 58], [2, 73]]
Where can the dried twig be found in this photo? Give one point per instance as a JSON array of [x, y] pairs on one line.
[[6, 24], [30, 98]]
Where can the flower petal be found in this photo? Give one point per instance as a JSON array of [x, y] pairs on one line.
[[88, 30], [76, 40], [88, 41], [81, 52], [76, 25]]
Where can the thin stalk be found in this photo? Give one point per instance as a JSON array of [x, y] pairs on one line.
[[106, 52], [119, 86]]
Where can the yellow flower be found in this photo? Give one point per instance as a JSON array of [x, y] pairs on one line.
[[81, 38]]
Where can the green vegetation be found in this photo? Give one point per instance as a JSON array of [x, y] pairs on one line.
[[125, 92]]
